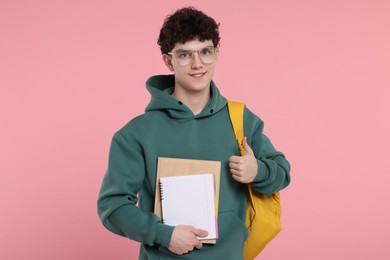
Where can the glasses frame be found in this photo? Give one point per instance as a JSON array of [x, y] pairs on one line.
[[191, 53]]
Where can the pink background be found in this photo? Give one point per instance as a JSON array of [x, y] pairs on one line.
[[317, 72]]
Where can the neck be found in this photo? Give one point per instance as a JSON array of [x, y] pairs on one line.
[[196, 101]]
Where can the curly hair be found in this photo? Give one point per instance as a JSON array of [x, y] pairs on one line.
[[185, 25]]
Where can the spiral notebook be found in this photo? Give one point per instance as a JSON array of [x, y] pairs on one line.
[[167, 167], [190, 200]]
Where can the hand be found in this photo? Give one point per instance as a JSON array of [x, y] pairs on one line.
[[244, 168], [184, 239]]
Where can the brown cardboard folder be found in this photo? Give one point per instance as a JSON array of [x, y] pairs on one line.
[[176, 167]]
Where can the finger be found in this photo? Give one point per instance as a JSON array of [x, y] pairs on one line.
[[235, 172], [234, 166], [235, 159], [237, 166], [200, 232], [247, 148], [199, 245], [236, 178]]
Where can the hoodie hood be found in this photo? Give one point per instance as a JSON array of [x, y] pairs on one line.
[[161, 88]]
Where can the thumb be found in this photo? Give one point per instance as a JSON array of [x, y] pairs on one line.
[[247, 148], [200, 232]]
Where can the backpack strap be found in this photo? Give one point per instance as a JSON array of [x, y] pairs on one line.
[[236, 113], [262, 213]]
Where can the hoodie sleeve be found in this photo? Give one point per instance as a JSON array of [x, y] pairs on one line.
[[273, 168], [118, 196]]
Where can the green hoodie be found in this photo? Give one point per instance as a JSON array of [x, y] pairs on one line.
[[168, 128]]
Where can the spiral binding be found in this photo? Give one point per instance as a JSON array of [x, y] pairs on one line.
[[161, 190], [161, 198]]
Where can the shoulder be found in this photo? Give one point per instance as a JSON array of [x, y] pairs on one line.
[[252, 121], [141, 124], [249, 115]]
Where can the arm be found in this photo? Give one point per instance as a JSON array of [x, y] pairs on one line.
[[273, 169], [265, 168], [118, 196]]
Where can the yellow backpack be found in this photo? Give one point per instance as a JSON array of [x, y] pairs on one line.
[[262, 212]]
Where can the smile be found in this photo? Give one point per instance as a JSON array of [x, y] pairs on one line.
[[198, 75]]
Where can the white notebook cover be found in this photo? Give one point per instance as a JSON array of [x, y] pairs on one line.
[[190, 200]]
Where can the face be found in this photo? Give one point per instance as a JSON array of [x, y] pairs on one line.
[[196, 76]]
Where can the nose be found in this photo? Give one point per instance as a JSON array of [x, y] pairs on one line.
[[196, 61]]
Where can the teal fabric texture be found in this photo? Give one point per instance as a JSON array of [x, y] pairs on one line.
[[168, 128]]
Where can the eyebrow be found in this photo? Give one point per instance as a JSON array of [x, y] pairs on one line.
[[210, 46]]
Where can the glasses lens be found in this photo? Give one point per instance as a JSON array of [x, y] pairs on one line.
[[184, 57], [207, 55]]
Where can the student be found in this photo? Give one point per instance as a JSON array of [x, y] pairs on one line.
[[187, 117]]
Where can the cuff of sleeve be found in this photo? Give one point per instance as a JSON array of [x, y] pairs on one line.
[[164, 234], [262, 172]]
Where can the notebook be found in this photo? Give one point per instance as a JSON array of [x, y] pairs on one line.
[[167, 167], [190, 200]]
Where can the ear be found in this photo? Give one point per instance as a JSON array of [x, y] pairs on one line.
[[168, 62]]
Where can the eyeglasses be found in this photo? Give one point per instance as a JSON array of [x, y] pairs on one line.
[[184, 57]]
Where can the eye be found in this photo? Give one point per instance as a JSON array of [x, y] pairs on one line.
[[183, 55], [207, 51]]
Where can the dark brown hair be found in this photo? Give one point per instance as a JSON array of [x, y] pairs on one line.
[[187, 24]]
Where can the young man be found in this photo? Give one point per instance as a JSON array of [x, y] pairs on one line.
[[187, 117]]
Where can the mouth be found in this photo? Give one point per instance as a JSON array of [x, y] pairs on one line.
[[198, 75]]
